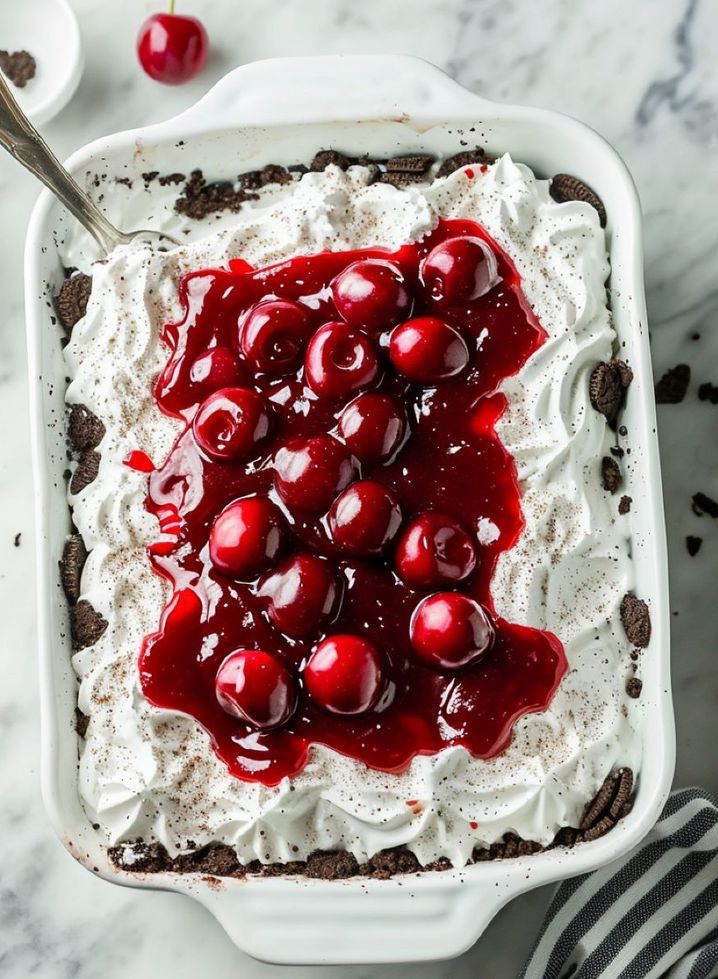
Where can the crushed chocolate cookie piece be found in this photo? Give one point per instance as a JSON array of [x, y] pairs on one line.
[[611, 477], [84, 429], [273, 173], [81, 722], [71, 300], [634, 687], [325, 158], [704, 504], [87, 625], [16, 539], [198, 198], [74, 555], [331, 865], [217, 859], [607, 387], [418, 163], [693, 545], [19, 67], [388, 863], [609, 804], [636, 620], [139, 857], [250, 180], [624, 505], [617, 451], [708, 392], [566, 836], [124, 181], [466, 158], [86, 472], [399, 179], [172, 178], [442, 864], [294, 867], [300, 168], [599, 829], [565, 187], [150, 175], [672, 387]]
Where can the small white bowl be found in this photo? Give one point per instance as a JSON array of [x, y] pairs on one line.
[[48, 30]]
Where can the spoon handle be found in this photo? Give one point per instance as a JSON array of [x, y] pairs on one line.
[[22, 141]]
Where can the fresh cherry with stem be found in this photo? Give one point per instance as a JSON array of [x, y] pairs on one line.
[[172, 48]]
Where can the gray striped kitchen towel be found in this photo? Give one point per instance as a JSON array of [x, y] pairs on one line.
[[653, 914]]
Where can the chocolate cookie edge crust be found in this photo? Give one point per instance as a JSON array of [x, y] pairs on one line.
[[613, 801]]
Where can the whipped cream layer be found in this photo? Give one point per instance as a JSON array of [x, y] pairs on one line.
[[152, 773]]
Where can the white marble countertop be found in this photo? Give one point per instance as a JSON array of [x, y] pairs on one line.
[[644, 75]]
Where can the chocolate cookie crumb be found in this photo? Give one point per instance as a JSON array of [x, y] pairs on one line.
[[74, 555], [274, 174], [87, 625], [708, 392], [624, 505], [217, 859], [16, 539], [171, 178], [672, 387], [86, 472], [150, 175], [693, 545], [636, 620], [400, 179], [198, 198], [704, 504], [325, 158], [139, 857], [609, 805], [19, 67], [607, 387], [418, 164], [71, 300], [81, 722], [611, 477], [617, 451], [564, 187], [331, 865], [456, 162], [388, 863], [634, 687], [84, 429]]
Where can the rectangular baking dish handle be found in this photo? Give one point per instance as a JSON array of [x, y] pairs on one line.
[[341, 88]]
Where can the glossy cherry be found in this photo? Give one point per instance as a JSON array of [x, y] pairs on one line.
[[172, 48], [309, 472], [459, 270], [217, 368], [303, 594], [246, 537], [256, 687], [231, 423], [450, 630], [434, 550], [373, 426], [371, 294], [427, 349], [273, 335], [340, 360], [364, 519], [344, 675]]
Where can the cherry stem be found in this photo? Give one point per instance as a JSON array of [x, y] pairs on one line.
[[171, 7]]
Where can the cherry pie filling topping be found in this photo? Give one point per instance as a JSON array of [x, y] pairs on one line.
[[332, 513]]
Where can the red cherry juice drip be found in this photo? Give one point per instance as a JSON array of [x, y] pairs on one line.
[[453, 461]]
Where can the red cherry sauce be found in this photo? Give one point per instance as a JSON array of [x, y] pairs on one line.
[[452, 460]]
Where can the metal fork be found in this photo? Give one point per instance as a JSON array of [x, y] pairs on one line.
[[22, 141]]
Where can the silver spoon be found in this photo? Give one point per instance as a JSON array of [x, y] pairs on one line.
[[22, 140]]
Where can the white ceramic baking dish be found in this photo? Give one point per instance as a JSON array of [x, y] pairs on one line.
[[282, 111]]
